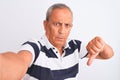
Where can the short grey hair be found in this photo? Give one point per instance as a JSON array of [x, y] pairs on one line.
[[56, 6]]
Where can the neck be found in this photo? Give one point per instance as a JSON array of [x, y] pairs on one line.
[[60, 49]]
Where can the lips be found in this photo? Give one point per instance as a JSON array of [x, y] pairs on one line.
[[60, 38]]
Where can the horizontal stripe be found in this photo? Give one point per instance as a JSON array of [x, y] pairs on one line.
[[65, 73], [73, 45], [35, 47], [57, 63], [43, 73], [40, 73], [48, 52]]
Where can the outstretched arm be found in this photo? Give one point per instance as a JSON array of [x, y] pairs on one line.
[[13, 66], [97, 48]]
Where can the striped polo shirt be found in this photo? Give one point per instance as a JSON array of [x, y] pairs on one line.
[[47, 64]]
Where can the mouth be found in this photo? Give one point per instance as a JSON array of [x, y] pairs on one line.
[[60, 38]]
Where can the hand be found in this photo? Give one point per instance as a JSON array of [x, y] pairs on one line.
[[94, 47]]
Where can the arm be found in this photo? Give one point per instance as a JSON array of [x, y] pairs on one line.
[[98, 49], [13, 66]]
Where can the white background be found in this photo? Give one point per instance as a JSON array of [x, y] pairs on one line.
[[21, 20]]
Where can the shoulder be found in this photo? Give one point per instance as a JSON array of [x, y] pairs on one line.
[[34, 41], [74, 41]]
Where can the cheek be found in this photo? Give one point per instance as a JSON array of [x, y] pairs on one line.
[[68, 31], [49, 29], [53, 31]]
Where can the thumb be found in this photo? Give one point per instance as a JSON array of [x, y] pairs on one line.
[[91, 58]]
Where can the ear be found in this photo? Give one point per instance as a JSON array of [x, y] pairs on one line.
[[45, 24]]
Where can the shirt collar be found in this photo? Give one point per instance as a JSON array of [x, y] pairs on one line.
[[49, 45]]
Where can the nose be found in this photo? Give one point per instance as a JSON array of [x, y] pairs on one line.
[[61, 29]]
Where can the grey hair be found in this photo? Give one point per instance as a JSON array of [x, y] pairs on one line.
[[56, 6]]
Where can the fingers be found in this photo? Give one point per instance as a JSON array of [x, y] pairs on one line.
[[90, 60], [94, 47]]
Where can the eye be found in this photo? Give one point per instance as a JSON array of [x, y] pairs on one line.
[[57, 24], [68, 25]]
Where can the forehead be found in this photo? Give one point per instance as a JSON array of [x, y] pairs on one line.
[[61, 14]]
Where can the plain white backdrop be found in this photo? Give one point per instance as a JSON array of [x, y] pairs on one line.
[[21, 20]]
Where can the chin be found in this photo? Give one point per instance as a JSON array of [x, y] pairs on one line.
[[61, 44]]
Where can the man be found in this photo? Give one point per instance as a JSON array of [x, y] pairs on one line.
[[53, 56]]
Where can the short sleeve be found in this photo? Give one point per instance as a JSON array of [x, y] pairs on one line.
[[83, 51], [32, 46]]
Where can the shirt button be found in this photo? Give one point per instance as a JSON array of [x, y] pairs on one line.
[[56, 51], [53, 48]]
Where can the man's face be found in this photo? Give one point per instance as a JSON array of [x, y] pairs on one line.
[[58, 26]]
